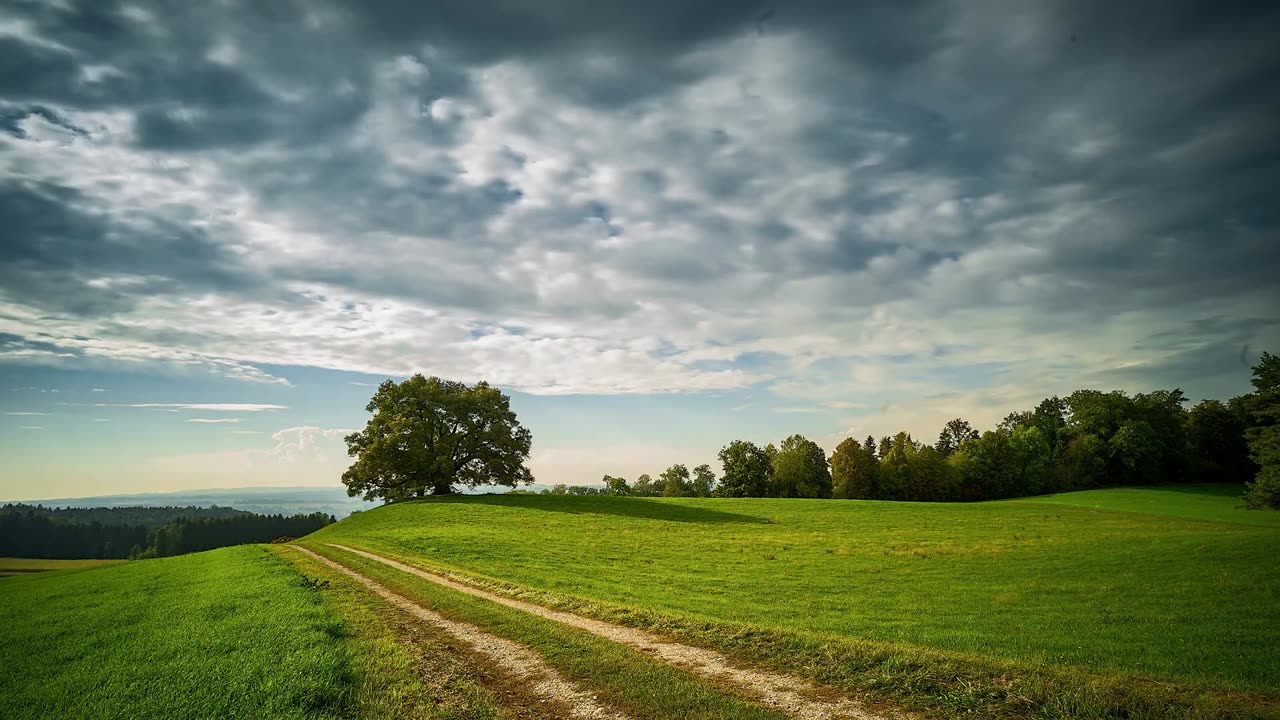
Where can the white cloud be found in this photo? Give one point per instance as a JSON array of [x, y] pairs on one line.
[[212, 420], [28, 413], [868, 231], [227, 407], [301, 455]]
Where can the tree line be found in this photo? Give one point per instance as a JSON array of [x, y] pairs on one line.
[[33, 531], [428, 435], [1089, 439]]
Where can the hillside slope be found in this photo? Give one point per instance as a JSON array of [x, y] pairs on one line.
[[226, 633], [1040, 585]]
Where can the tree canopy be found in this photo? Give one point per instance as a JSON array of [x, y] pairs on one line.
[[1088, 439], [747, 470], [1264, 435], [800, 470], [429, 435]]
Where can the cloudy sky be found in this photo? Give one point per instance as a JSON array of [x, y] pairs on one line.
[[660, 226]]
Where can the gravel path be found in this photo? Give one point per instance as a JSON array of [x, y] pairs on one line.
[[526, 665], [791, 695]]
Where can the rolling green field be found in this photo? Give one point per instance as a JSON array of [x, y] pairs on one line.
[[226, 633], [23, 566], [1216, 503], [1041, 583]]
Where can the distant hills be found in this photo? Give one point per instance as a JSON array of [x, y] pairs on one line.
[[263, 500]]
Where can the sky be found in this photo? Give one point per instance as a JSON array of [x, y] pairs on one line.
[[658, 226]]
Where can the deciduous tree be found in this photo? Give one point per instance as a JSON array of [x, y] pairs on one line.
[[1264, 436], [746, 470], [675, 481], [704, 480], [854, 469], [433, 435], [800, 470]]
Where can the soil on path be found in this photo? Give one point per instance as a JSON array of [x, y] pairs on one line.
[[522, 663], [793, 696]]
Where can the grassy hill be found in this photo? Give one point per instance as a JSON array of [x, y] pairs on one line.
[[1131, 603], [1184, 590], [227, 633], [1215, 503]]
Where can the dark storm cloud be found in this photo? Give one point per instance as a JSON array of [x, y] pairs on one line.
[[62, 242], [1121, 157]]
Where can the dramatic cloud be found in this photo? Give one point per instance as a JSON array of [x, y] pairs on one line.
[[890, 212]]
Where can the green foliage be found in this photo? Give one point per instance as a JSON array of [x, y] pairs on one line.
[[1184, 601], [747, 470], [675, 482], [895, 468], [1216, 442], [985, 467], [1264, 491], [645, 487], [854, 470], [1264, 436], [428, 434], [228, 633], [32, 531], [800, 470], [954, 433], [704, 481], [616, 486], [1032, 457]]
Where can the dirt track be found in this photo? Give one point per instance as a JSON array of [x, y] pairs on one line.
[[793, 696], [526, 665]]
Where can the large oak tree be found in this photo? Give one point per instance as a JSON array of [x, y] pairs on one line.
[[429, 435]]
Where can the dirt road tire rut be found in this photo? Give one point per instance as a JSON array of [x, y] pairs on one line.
[[524, 664], [793, 696]]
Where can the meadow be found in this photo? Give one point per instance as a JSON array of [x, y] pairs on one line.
[[23, 566], [227, 633], [1136, 603], [1038, 583]]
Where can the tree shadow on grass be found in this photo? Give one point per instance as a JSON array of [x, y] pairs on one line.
[[621, 506]]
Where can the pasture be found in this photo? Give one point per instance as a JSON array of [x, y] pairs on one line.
[[226, 633], [23, 566], [1039, 584]]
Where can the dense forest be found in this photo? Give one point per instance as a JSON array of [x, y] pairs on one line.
[[1089, 439], [33, 531]]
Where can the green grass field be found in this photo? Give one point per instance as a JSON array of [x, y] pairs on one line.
[[401, 669], [1137, 603], [23, 566], [1215, 503], [227, 633], [1041, 583]]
